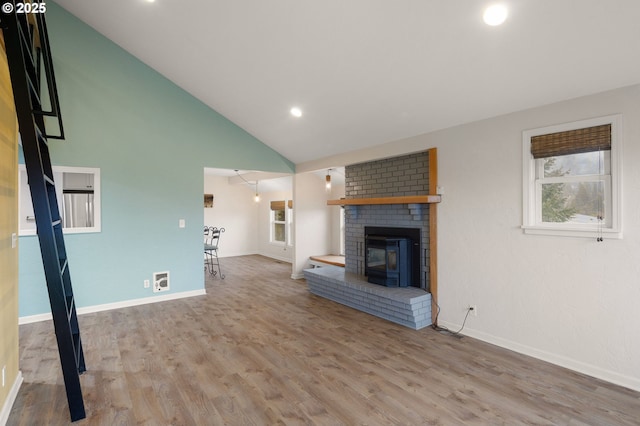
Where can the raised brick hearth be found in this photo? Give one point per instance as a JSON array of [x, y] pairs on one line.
[[408, 306]]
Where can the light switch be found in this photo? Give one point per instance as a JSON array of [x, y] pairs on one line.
[[181, 223], [14, 240]]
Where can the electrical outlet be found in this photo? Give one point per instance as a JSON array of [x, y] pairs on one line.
[[147, 283], [474, 310]]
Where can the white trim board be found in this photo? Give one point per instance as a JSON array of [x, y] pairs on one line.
[[276, 257], [11, 398], [559, 360], [117, 305]]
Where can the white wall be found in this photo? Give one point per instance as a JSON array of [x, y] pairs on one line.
[[568, 300], [337, 192], [571, 301], [235, 210], [312, 220], [265, 247]]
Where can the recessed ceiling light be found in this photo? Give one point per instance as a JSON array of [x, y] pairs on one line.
[[151, 1], [495, 15], [296, 112]]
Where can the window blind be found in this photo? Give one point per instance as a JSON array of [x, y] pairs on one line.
[[597, 138], [279, 205]]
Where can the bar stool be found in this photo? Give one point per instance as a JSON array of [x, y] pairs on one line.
[[211, 244]]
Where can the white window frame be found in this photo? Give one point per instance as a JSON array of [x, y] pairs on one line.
[[24, 196], [288, 226], [275, 222], [288, 214], [532, 187]]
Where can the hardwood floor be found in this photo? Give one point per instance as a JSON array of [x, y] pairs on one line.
[[259, 349]]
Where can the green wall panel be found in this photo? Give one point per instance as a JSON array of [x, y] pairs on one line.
[[151, 141]]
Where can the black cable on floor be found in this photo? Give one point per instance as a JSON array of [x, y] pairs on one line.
[[445, 330]]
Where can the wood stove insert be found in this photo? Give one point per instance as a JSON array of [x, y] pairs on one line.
[[392, 256]]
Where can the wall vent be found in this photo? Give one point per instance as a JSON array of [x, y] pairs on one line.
[[160, 281]]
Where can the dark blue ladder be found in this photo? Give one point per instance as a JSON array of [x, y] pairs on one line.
[[30, 65]]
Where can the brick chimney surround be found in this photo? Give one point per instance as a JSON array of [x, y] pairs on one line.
[[381, 181]]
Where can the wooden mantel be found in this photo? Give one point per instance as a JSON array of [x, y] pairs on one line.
[[413, 199]]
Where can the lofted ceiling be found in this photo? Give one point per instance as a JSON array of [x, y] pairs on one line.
[[367, 72]]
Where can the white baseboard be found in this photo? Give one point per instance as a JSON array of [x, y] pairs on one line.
[[222, 254], [34, 318], [298, 276], [276, 257], [562, 361], [11, 398], [117, 305]]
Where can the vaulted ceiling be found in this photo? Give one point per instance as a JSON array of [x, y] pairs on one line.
[[367, 72]]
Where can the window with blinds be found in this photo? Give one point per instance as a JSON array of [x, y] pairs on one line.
[[571, 179], [281, 221]]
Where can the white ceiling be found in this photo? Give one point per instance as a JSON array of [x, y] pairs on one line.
[[367, 72], [269, 182]]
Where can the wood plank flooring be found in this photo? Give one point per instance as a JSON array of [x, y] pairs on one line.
[[259, 349]]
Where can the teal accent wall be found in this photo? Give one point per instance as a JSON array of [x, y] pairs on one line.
[[151, 141]]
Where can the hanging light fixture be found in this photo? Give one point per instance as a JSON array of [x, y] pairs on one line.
[[328, 180], [257, 197]]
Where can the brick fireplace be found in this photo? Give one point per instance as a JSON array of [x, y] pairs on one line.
[[400, 176], [372, 192]]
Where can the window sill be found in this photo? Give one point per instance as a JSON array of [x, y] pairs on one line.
[[568, 232], [65, 231]]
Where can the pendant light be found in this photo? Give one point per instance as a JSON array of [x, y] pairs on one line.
[[257, 197]]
